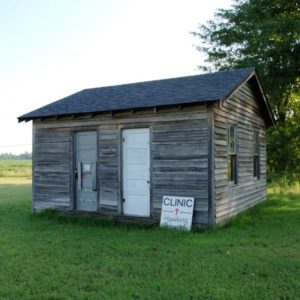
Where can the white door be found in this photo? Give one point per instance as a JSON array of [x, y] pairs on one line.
[[136, 172]]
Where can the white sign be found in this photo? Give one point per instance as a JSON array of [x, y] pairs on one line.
[[177, 212]]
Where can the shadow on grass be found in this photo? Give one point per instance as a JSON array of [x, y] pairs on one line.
[[56, 216], [102, 221]]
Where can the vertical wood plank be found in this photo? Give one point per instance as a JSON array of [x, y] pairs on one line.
[[211, 166]]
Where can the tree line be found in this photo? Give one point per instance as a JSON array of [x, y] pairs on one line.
[[9, 156]]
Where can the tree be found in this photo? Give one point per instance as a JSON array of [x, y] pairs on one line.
[[260, 33], [284, 151], [264, 34]]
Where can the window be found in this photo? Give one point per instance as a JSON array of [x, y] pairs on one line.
[[231, 154], [256, 171]]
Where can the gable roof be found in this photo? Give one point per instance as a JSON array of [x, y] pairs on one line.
[[173, 91]]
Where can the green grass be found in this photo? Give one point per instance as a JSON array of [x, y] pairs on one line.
[[15, 168], [52, 256]]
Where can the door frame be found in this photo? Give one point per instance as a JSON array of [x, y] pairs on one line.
[[121, 169], [74, 131]]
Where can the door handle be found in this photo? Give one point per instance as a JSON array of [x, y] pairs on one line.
[[79, 175], [94, 174]]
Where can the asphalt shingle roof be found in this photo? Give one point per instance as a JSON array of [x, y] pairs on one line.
[[182, 90]]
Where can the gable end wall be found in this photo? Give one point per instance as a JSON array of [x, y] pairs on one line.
[[242, 110]]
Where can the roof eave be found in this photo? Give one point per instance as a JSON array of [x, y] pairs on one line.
[[21, 119], [265, 100], [113, 111]]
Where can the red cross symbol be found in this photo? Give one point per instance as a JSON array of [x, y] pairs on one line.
[[177, 210]]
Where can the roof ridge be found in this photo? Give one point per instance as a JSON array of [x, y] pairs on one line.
[[171, 78]]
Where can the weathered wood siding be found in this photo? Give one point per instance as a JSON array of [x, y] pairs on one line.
[[242, 110], [52, 161], [179, 158], [180, 165]]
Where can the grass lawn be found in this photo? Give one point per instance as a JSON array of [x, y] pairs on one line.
[[47, 256]]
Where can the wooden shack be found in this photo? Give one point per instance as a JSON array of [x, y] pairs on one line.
[[118, 150]]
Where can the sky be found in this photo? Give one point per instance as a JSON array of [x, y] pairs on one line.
[[53, 48]]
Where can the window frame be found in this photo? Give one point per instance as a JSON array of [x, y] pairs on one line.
[[256, 155], [232, 169]]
